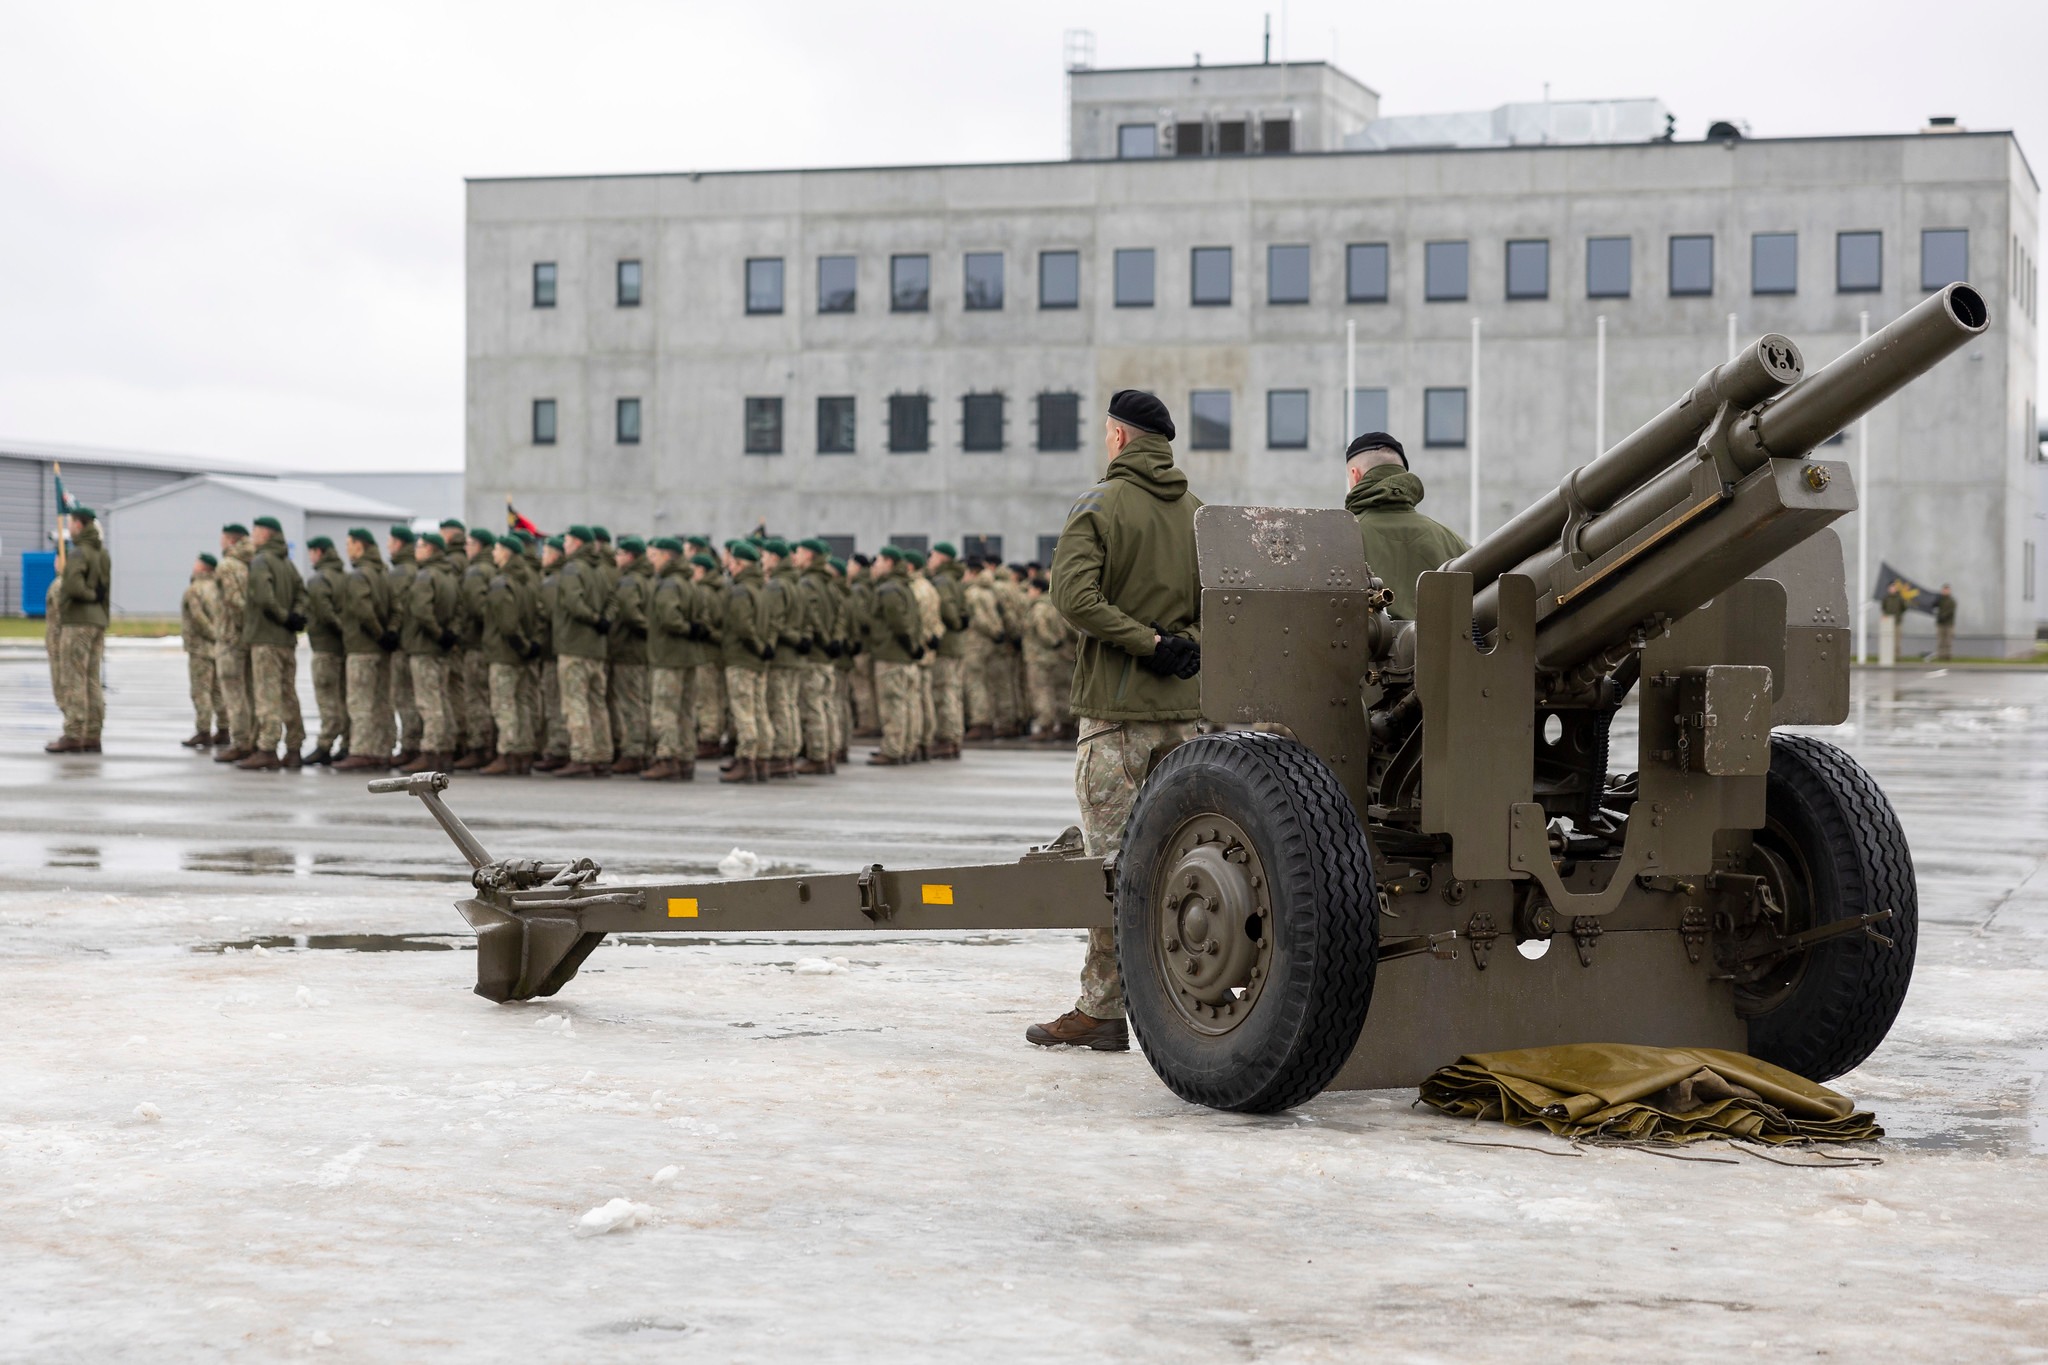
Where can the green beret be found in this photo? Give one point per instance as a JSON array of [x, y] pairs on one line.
[[838, 563], [945, 547], [402, 534], [599, 533], [815, 546], [83, 513], [482, 537], [632, 545], [555, 543], [520, 534], [891, 552], [701, 557], [580, 532], [266, 523], [776, 545], [209, 561], [433, 538], [362, 533], [320, 543], [235, 528], [742, 549], [456, 522], [668, 543], [699, 539]]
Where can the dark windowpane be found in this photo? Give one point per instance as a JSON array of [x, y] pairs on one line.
[[1692, 265], [764, 426], [1047, 547], [1230, 137], [1774, 263], [981, 421], [1365, 272], [629, 284], [837, 283], [1209, 275], [1187, 139], [544, 284], [1286, 274], [982, 547], [1059, 421], [1287, 419], [1944, 256], [1134, 277], [910, 284], [1136, 141], [910, 424], [984, 280], [1368, 412], [917, 544], [1608, 267], [1443, 417], [1059, 279], [1277, 136], [1445, 272], [629, 422], [543, 421], [1209, 419], [1529, 270], [1859, 262], [764, 284], [842, 547], [836, 428]]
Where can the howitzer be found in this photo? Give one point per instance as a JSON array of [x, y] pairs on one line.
[[1406, 842]]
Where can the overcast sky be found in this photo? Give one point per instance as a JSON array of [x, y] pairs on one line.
[[235, 229]]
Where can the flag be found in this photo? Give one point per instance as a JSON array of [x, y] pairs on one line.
[[65, 502], [515, 522], [1918, 597]]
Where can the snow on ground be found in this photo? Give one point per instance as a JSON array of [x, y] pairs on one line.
[[842, 1147]]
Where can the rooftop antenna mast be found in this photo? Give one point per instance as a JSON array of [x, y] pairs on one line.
[[1267, 59], [1079, 55]]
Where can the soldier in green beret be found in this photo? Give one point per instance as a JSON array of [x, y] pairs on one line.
[[231, 657], [433, 609], [671, 715], [326, 594], [198, 625], [749, 649], [626, 652], [552, 735], [272, 618], [404, 567], [469, 672], [369, 637], [708, 649], [580, 627]]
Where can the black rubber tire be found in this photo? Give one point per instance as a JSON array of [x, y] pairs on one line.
[[1325, 912], [1825, 806]]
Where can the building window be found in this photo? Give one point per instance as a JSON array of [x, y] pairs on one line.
[[1209, 419], [1443, 417], [764, 284], [1134, 277], [1059, 421], [1277, 136], [1048, 546], [1859, 262], [1059, 279], [1286, 274], [1287, 419], [841, 546], [1944, 257], [543, 284], [984, 281], [1137, 141], [1692, 266], [910, 284], [543, 421], [1365, 272], [1209, 276], [1368, 412], [1529, 269], [1774, 263], [910, 424], [982, 547], [1230, 137], [764, 426], [1187, 139], [836, 428], [1445, 272], [919, 545], [981, 422], [1607, 267], [626, 422], [837, 283], [629, 284]]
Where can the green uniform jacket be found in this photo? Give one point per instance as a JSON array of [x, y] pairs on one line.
[[581, 592], [669, 611], [846, 626], [1945, 609], [365, 606], [782, 616], [1401, 544], [275, 592], [860, 601], [88, 580], [627, 644], [747, 626], [547, 601], [199, 614], [433, 607], [324, 595], [821, 612], [894, 627], [506, 613], [1125, 562], [707, 612], [1894, 604], [952, 610], [398, 593], [233, 576], [476, 585]]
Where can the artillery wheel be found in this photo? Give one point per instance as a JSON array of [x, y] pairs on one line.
[[1247, 922], [1832, 849]]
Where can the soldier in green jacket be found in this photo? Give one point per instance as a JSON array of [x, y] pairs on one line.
[[1401, 544], [626, 653], [479, 731], [368, 638], [896, 639], [948, 674], [582, 592], [844, 648], [812, 580], [505, 614], [671, 664], [1124, 577], [708, 685], [404, 566], [783, 620], [860, 592], [433, 609], [273, 616], [83, 595], [326, 593], [1945, 624], [198, 625], [553, 734], [749, 649]]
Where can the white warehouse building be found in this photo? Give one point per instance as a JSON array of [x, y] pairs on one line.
[[923, 353]]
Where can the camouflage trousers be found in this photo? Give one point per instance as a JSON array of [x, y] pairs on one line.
[[405, 703], [842, 708], [231, 673], [429, 674], [454, 696], [554, 724], [369, 704], [746, 691], [976, 701], [274, 683], [1048, 678], [899, 697], [947, 702], [330, 698], [672, 713], [53, 641], [815, 701], [785, 712], [1111, 761], [867, 716], [927, 706], [627, 697], [707, 689], [511, 707], [584, 708], [1945, 641], [207, 713], [79, 695], [479, 715]]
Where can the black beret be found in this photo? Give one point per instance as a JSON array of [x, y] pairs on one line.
[[1374, 440], [1136, 408]]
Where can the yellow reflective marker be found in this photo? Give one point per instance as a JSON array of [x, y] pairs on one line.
[[936, 894], [682, 909]]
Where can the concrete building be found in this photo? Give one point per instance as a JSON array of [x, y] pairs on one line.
[[924, 352]]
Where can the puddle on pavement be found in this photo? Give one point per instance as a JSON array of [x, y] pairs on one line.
[[345, 943]]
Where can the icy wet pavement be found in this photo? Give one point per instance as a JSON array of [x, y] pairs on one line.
[[353, 1157]]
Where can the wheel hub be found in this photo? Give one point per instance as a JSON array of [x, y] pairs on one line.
[[1214, 944]]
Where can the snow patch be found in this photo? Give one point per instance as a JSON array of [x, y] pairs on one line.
[[821, 966], [560, 1023], [338, 1169], [615, 1216], [739, 863], [666, 1174], [148, 1112]]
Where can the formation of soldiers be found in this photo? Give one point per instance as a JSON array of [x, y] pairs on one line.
[[580, 656]]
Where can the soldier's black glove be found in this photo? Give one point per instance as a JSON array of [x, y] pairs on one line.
[[833, 649], [639, 632], [768, 654], [388, 642], [698, 632], [803, 646], [529, 651], [295, 622], [446, 639], [931, 642], [603, 625], [1175, 657]]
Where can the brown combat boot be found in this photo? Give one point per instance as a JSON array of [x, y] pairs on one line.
[[686, 771], [878, 759], [293, 760], [1075, 1029], [64, 745], [232, 755], [92, 746], [576, 770], [471, 761], [810, 768], [197, 741], [504, 765], [220, 738], [741, 770], [709, 748], [661, 771], [627, 765], [259, 761], [425, 762], [548, 763], [977, 733], [320, 758], [356, 763]]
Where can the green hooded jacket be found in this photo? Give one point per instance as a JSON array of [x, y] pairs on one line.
[[275, 592], [325, 592], [506, 613], [668, 617], [893, 626], [627, 643], [88, 581], [433, 607], [581, 593], [952, 609], [365, 606], [1401, 544], [1125, 564], [747, 626]]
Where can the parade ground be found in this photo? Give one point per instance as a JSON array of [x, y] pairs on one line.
[[252, 1111]]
